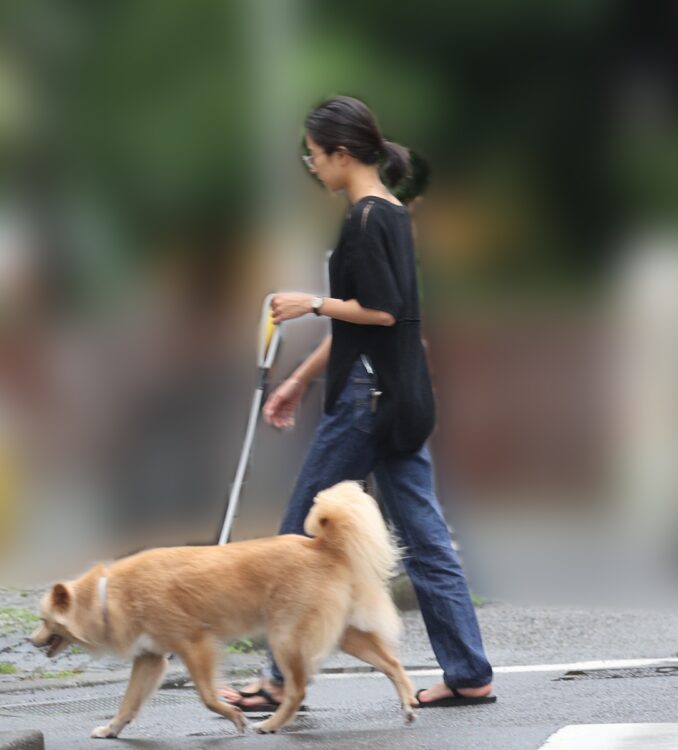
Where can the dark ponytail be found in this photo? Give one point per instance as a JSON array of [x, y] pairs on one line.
[[396, 164], [346, 121]]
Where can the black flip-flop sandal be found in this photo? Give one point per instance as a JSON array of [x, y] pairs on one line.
[[456, 699], [249, 693], [271, 705]]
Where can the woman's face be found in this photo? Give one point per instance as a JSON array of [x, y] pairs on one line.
[[330, 169]]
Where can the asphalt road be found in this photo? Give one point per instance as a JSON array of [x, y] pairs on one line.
[[349, 710], [360, 711]]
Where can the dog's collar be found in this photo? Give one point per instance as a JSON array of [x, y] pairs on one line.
[[102, 599]]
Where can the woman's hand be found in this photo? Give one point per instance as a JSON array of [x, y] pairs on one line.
[[289, 305], [281, 404]]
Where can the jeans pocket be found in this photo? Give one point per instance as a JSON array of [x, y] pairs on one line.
[[364, 416]]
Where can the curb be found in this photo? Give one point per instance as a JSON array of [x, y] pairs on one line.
[[86, 679], [31, 740], [175, 680]]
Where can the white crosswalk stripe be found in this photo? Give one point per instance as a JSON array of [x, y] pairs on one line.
[[614, 737]]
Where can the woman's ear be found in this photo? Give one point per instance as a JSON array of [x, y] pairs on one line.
[[344, 155]]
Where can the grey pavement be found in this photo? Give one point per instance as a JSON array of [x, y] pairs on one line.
[[350, 708], [360, 711], [25, 740]]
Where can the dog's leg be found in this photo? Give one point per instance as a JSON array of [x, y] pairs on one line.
[[292, 664], [199, 660], [371, 648], [147, 671]]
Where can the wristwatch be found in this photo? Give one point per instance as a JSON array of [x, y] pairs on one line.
[[316, 304]]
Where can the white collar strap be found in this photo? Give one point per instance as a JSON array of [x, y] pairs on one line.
[[102, 599]]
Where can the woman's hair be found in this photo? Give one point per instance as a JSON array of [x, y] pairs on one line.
[[345, 121]]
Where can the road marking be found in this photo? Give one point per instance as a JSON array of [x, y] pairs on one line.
[[614, 737], [566, 667]]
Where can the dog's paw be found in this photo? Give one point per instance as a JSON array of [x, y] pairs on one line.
[[240, 721], [409, 715], [264, 727], [104, 733]]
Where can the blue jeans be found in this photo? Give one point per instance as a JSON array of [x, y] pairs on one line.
[[344, 448]]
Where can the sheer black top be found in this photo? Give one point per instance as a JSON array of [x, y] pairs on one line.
[[374, 263]]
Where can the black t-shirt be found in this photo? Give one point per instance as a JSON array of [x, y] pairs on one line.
[[374, 263]]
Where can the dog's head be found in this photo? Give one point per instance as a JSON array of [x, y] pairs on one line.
[[60, 626]]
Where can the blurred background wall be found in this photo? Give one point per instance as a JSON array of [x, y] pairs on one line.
[[151, 194]]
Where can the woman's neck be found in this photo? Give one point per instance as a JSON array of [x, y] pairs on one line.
[[365, 181]]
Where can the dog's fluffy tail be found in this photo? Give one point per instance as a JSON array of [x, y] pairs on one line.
[[348, 519]]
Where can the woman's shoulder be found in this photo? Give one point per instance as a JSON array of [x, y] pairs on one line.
[[372, 211]]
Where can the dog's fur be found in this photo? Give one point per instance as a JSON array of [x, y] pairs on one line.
[[309, 594]]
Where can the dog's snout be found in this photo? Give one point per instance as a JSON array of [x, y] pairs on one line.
[[39, 636]]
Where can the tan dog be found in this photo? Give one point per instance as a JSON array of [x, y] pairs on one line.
[[310, 595]]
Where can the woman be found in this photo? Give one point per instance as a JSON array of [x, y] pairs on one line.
[[379, 406]]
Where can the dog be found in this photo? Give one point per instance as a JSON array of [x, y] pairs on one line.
[[309, 595]]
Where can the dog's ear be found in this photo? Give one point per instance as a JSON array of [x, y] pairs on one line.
[[61, 598], [62, 601]]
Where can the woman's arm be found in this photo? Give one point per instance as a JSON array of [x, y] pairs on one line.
[[282, 403], [289, 305], [314, 364]]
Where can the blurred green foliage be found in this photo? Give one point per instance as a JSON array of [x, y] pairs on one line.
[[128, 124], [13, 619]]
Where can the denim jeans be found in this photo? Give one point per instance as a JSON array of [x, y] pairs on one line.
[[344, 448]]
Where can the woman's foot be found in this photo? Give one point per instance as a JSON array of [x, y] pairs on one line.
[[243, 699], [440, 691]]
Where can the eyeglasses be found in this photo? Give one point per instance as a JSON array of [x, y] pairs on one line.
[[309, 159]]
